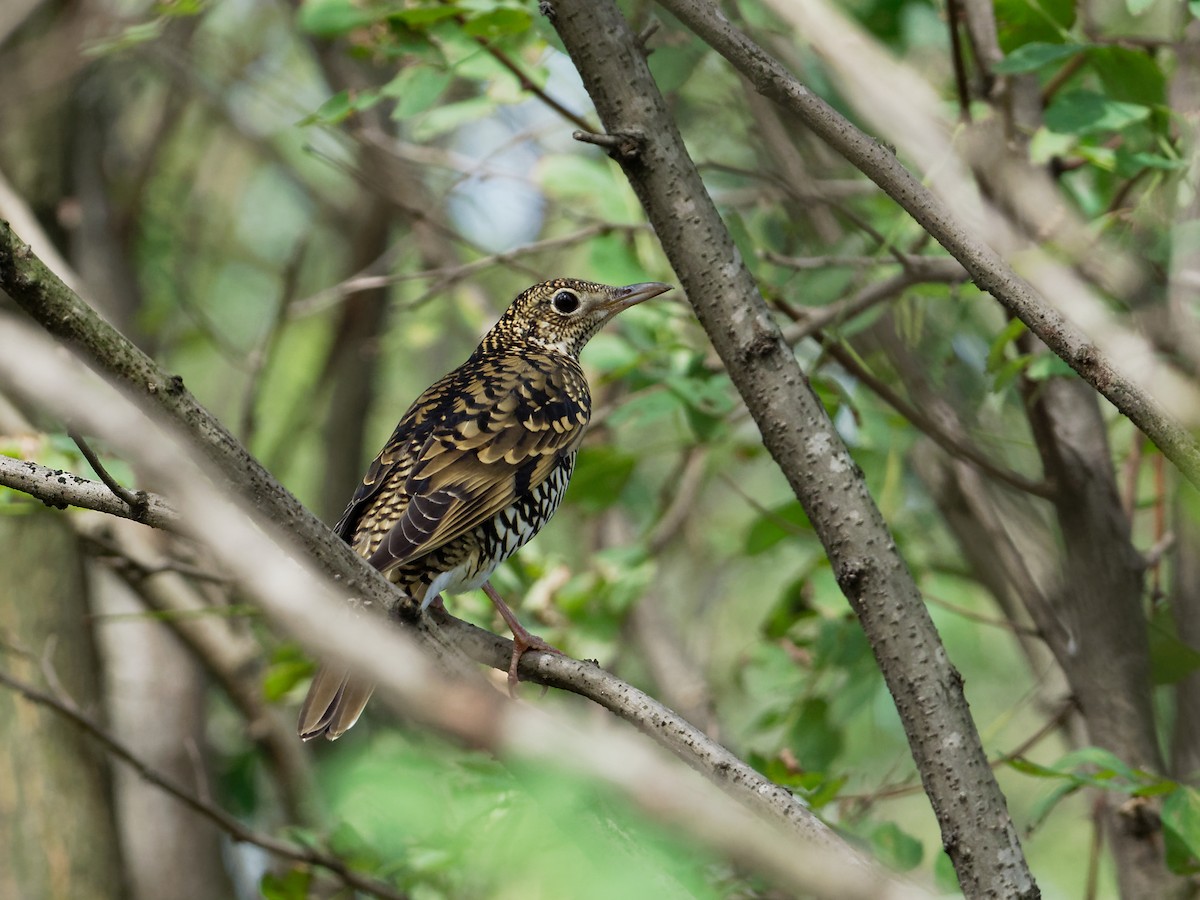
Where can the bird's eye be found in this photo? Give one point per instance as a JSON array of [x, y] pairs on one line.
[[566, 302]]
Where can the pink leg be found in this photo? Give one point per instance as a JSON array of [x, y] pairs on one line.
[[522, 639]]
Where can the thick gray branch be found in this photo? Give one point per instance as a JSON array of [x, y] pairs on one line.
[[989, 271], [976, 828]]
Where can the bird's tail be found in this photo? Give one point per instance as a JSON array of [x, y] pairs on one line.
[[335, 701]]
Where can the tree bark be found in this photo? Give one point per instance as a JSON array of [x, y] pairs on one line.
[[976, 829], [58, 835]]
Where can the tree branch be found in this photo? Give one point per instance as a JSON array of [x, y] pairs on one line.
[[986, 267], [60, 489], [979, 834]]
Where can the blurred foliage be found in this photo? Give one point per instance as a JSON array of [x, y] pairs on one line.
[[249, 163]]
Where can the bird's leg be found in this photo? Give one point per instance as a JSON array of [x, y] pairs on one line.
[[522, 639]]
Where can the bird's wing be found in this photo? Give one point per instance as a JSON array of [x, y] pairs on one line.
[[500, 435]]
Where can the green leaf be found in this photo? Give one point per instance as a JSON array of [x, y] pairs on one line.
[[1137, 7], [1106, 763], [601, 473], [1132, 76], [1130, 164], [792, 606], [996, 352], [1031, 57], [707, 401], [672, 65], [1194, 8], [352, 848], [610, 353], [944, 875], [341, 106], [590, 181], [334, 18], [1181, 830], [178, 8], [1028, 767], [416, 89], [647, 407], [499, 22], [1022, 22], [1047, 365], [445, 118], [841, 644], [1045, 805], [1171, 660], [280, 678], [812, 737], [418, 16], [1087, 112], [611, 259], [1008, 372], [896, 848], [779, 524], [293, 885]]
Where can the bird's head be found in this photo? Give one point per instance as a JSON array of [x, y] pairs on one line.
[[563, 314]]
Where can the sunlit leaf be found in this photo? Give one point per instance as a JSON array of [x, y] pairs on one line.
[[502, 21], [292, 885], [1021, 22]]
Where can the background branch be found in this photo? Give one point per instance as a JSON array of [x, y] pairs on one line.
[[989, 271], [980, 838]]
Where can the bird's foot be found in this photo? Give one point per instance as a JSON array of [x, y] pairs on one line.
[[523, 642]]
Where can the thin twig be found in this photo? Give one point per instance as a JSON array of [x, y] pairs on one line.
[[951, 443], [527, 84], [973, 616], [214, 814], [917, 270], [136, 501], [102, 546]]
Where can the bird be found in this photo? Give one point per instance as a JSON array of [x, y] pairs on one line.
[[474, 469]]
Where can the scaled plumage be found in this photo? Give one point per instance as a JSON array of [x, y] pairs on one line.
[[476, 467]]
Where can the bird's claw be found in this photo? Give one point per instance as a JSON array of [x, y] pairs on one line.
[[522, 644]]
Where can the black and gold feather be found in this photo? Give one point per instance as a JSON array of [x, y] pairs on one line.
[[477, 464]]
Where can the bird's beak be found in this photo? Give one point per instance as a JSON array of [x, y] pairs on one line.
[[633, 294]]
